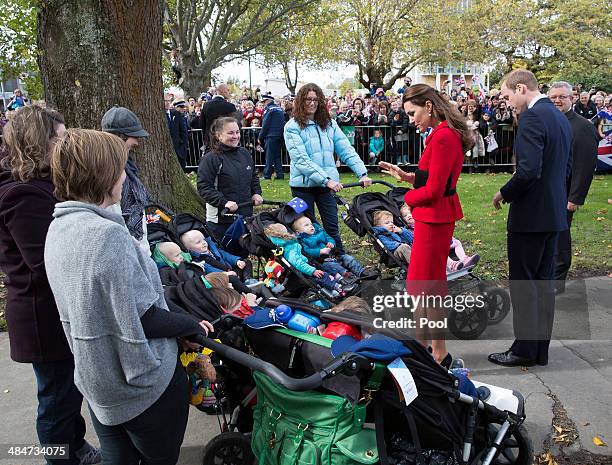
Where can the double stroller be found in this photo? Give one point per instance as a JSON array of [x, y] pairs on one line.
[[294, 282], [467, 324], [310, 403]]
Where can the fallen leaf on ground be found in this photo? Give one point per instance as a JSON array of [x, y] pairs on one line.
[[586, 424], [598, 442], [524, 369], [6, 391], [558, 428]]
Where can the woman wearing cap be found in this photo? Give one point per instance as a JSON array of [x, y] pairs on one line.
[[312, 138], [35, 332], [112, 307], [434, 202], [135, 196]]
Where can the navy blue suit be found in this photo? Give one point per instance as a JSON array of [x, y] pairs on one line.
[[179, 132], [271, 134], [538, 212]]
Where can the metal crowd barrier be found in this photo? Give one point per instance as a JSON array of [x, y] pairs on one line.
[[403, 149]]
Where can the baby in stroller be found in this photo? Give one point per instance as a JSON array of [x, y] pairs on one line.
[[292, 251], [463, 259], [397, 240], [168, 256], [317, 244], [205, 253]]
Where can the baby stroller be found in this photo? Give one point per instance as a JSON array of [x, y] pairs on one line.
[[296, 284], [467, 324], [316, 408]]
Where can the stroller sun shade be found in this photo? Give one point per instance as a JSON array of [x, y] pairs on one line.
[[359, 218]]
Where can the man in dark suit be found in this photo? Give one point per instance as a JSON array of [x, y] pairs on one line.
[[584, 160], [217, 107], [179, 132], [538, 204], [271, 136]]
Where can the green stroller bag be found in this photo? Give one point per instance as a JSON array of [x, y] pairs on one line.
[[309, 428]]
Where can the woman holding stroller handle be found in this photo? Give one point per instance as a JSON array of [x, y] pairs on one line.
[[227, 176], [312, 138], [112, 308], [434, 202]]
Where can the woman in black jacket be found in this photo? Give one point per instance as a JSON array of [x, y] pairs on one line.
[[35, 333], [227, 176]]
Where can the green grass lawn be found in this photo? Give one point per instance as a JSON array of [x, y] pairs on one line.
[[483, 229]]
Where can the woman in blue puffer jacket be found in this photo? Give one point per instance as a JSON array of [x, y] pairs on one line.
[[312, 138]]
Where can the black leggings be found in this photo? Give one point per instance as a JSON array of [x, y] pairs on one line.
[[155, 436]]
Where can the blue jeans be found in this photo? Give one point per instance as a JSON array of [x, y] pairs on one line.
[[327, 281], [273, 157], [352, 264], [332, 267], [328, 210], [59, 419]]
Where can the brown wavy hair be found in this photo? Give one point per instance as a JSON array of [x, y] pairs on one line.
[[321, 116], [419, 94], [26, 142]]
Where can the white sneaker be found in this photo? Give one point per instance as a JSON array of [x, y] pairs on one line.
[[89, 455]]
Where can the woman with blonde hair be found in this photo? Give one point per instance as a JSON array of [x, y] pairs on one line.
[[34, 328], [112, 307]]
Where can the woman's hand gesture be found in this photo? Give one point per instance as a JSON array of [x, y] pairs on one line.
[[396, 172]]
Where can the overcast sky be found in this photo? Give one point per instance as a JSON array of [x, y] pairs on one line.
[[240, 69]]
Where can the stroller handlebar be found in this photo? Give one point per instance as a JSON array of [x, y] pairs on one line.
[[226, 212], [348, 362], [360, 184]]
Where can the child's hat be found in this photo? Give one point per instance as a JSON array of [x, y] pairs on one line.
[[261, 319], [298, 205]]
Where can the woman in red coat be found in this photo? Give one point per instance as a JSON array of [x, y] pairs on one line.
[[434, 202]]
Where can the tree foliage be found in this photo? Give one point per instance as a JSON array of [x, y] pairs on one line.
[[208, 33], [553, 38], [18, 45], [386, 39], [301, 44]]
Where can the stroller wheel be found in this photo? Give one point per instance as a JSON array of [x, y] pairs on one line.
[[498, 304], [515, 449], [229, 448], [468, 324]]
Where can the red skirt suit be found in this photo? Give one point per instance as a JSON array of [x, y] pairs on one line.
[[434, 214]]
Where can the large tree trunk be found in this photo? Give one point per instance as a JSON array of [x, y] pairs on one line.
[[196, 77], [98, 53]]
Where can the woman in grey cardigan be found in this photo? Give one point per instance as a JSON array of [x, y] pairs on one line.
[[112, 308]]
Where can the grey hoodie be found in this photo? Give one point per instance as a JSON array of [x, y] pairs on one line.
[[103, 284]]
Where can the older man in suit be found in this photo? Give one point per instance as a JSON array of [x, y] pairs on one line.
[[538, 204], [584, 160]]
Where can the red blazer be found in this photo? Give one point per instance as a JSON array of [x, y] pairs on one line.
[[443, 157]]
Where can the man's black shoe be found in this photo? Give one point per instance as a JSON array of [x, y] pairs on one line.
[[508, 359]]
